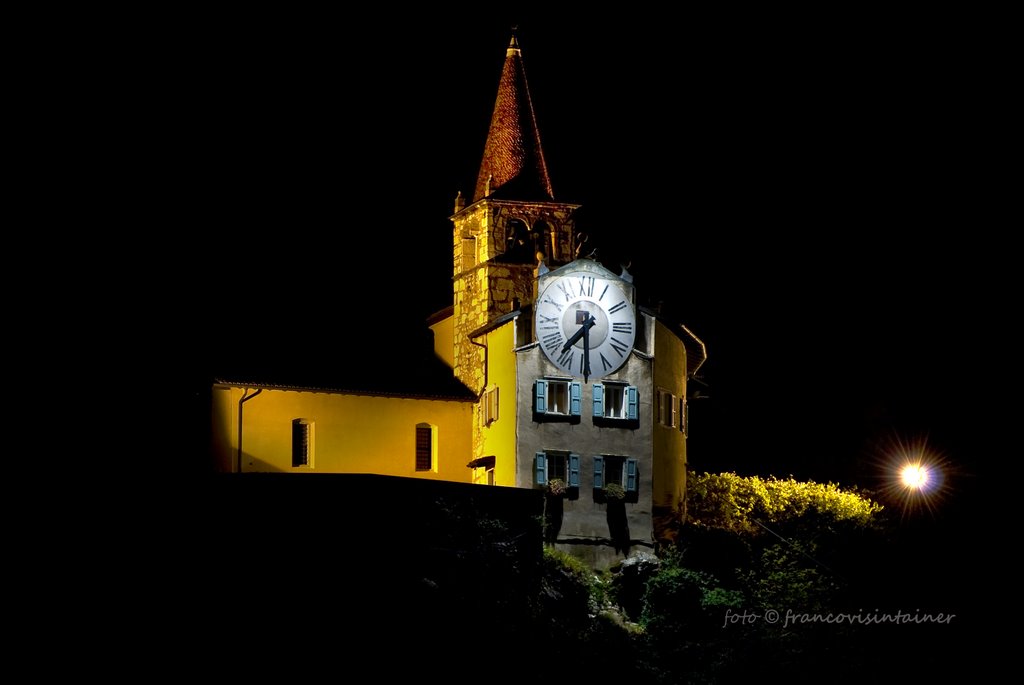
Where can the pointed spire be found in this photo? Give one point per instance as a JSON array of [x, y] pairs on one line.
[[513, 163]]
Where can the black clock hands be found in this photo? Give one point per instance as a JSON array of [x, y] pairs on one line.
[[583, 332]]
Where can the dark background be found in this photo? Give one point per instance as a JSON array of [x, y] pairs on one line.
[[814, 196]]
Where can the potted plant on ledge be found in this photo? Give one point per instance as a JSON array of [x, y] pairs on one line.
[[613, 492], [556, 487]]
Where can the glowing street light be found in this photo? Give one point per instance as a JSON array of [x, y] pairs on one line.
[[914, 476]]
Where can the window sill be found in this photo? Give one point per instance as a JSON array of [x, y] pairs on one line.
[[605, 422], [555, 418]]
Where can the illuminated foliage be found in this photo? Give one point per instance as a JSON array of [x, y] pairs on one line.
[[746, 503]]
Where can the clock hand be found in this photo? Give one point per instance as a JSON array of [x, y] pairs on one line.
[[588, 324], [591, 322]]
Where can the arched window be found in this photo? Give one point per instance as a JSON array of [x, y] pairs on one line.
[[518, 243], [544, 240], [426, 447], [302, 442]]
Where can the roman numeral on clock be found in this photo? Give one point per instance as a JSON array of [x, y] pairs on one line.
[[618, 308], [586, 286], [565, 359], [618, 346], [622, 327], [548, 300], [605, 364], [551, 341]]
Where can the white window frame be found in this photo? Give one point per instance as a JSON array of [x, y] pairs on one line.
[[573, 397], [489, 407]]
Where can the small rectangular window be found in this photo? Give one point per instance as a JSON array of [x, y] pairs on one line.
[[549, 466], [557, 468], [302, 442], [558, 397], [424, 447], [489, 407], [666, 408], [613, 470], [615, 401]]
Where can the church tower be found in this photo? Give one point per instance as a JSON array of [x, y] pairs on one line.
[[512, 225]]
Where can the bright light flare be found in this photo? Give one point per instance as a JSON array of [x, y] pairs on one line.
[[914, 476]]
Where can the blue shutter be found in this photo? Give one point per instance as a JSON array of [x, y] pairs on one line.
[[631, 478], [632, 403], [598, 400], [541, 468], [598, 472], [575, 399], [540, 392], [574, 470]]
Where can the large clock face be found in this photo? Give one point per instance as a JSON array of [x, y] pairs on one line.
[[578, 300]]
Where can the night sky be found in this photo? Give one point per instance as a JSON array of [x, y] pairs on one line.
[[809, 197], [814, 196]]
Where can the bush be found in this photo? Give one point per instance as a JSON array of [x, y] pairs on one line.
[[680, 602], [740, 503], [572, 583]]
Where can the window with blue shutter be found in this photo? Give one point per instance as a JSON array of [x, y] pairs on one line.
[[632, 484], [541, 468], [598, 472], [615, 402], [574, 470], [557, 397]]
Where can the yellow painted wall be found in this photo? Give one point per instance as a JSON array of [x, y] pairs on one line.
[[351, 434], [669, 443], [499, 438], [444, 341]]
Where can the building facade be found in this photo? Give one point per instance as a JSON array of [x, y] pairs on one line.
[[563, 382]]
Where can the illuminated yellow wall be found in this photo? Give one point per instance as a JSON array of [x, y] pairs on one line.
[[444, 342], [669, 443], [351, 434], [499, 438]]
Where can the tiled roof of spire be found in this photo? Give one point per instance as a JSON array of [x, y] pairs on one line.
[[513, 160]]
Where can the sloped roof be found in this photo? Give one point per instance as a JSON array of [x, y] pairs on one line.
[[513, 159], [696, 353], [411, 371]]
